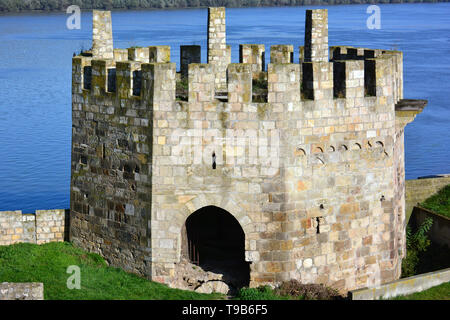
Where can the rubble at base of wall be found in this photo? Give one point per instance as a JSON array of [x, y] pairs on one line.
[[194, 278], [21, 291]]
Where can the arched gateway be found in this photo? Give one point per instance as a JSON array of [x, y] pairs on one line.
[[214, 240]]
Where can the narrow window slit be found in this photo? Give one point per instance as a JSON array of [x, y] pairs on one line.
[[214, 161], [318, 225]]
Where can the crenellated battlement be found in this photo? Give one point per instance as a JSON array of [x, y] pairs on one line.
[[339, 72], [341, 78], [306, 155]]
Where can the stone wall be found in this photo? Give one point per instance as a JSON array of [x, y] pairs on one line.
[[102, 38], [111, 185], [440, 230], [282, 54], [418, 190], [217, 46], [21, 291], [159, 54], [41, 227], [315, 180], [255, 55], [403, 286], [316, 36]]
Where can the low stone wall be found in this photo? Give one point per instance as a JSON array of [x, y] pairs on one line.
[[40, 227], [440, 230], [21, 291], [418, 190], [403, 286]]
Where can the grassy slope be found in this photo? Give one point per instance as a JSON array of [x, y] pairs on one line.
[[441, 292], [48, 264], [440, 202]]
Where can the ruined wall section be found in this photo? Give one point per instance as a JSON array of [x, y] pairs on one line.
[[112, 137], [40, 227], [325, 212], [315, 196]]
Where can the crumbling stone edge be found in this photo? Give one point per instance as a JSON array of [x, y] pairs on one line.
[[403, 286]]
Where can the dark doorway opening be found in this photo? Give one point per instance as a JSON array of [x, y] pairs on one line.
[[216, 242]]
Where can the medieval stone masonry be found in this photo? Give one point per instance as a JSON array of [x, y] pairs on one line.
[[40, 227], [307, 183]]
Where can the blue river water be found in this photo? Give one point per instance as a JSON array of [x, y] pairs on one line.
[[35, 79]]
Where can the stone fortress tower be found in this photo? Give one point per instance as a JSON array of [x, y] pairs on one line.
[[303, 182]]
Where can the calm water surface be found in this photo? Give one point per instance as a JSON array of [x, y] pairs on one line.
[[35, 79]]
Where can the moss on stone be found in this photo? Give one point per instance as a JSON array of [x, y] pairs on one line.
[[223, 116], [262, 110]]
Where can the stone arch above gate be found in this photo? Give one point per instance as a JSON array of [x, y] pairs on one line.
[[191, 204], [213, 234]]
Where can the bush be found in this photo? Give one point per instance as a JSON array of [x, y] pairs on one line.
[[298, 290], [260, 293], [416, 243], [291, 289]]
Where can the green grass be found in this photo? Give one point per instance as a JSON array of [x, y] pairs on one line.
[[441, 292], [440, 202], [48, 263]]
